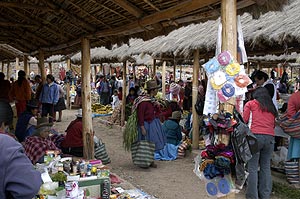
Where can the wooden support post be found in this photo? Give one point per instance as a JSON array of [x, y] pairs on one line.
[[7, 70], [229, 26], [229, 34], [278, 70], [26, 68], [50, 68], [174, 70], [180, 72], [124, 94], [248, 68], [291, 72], [87, 126], [42, 65], [95, 71], [68, 85], [195, 126], [163, 80], [134, 73], [2, 68], [17, 67], [101, 69], [154, 68]]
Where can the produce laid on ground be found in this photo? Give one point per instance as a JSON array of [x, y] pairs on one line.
[[101, 109], [115, 118]]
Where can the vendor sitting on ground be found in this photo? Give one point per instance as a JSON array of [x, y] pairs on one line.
[[40, 142], [172, 129], [73, 144], [27, 121]]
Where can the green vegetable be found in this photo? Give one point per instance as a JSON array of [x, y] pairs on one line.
[[59, 177], [130, 133]]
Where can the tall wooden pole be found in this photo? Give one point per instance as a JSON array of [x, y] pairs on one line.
[[87, 126], [134, 73], [68, 85], [154, 68], [195, 126], [95, 71], [124, 94], [278, 70], [2, 67], [163, 80], [229, 35], [26, 68], [17, 67], [229, 26], [174, 70], [180, 72], [50, 68], [42, 65], [7, 70]]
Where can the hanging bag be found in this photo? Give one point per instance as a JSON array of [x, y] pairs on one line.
[[101, 153], [142, 153], [244, 141], [290, 126]]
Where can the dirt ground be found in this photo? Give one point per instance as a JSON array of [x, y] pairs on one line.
[[171, 179]]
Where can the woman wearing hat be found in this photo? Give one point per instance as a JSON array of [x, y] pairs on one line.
[[18, 177], [73, 142], [149, 126], [172, 130], [27, 121], [39, 142]]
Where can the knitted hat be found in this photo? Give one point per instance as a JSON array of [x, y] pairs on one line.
[[151, 84], [176, 115]]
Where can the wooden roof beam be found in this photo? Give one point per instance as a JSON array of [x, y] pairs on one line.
[[23, 6], [86, 13], [77, 21], [25, 33], [152, 5], [111, 10], [45, 24], [175, 11], [10, 24], [129, 7]]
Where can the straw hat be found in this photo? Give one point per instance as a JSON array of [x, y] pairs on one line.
[[176, 115], [151, 84], [42, 122]]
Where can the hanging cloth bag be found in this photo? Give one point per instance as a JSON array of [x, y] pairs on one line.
[[142, 153]]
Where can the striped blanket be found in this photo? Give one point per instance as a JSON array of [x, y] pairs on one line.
[[291, 126]]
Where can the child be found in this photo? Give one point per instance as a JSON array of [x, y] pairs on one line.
[[115, 98]]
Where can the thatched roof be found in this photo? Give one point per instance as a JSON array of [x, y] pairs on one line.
[[57, 26], [273, 58], [273, 32]]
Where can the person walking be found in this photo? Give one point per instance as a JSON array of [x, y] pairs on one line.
[[61, 105], [148, 110], [263, 123], [20, 92], [49, 97]]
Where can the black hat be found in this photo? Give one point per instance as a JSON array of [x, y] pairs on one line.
[[33, 104]]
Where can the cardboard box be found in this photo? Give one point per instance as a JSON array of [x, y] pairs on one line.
[[99, 187]]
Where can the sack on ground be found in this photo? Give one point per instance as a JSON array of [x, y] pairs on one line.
[[142, 153]]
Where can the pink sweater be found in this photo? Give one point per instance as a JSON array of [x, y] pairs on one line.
[[262, 122]]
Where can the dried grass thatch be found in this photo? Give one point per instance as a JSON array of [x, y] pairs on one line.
[[57, 26]]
